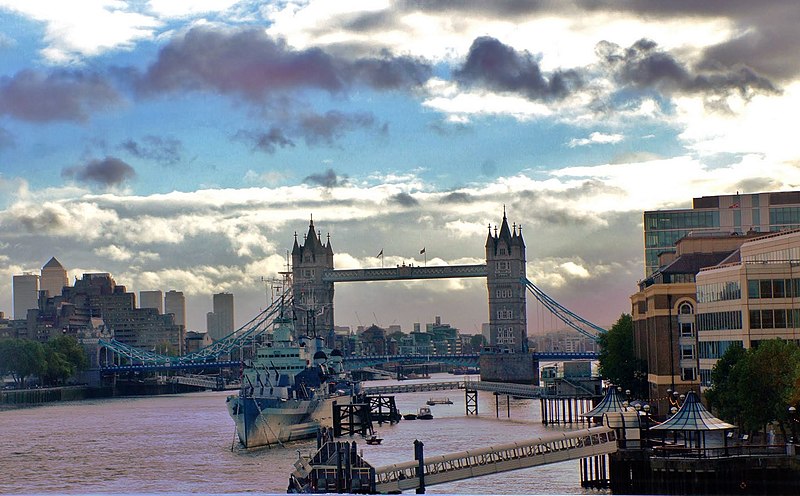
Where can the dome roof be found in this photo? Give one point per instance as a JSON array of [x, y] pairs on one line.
[[320, 354]]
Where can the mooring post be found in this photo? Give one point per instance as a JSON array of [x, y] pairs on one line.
[[418, 455]]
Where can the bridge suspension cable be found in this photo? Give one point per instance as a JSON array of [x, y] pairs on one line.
[[245, 334], [565, 315]]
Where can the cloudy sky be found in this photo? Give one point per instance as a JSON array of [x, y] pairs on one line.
[[181, 144]]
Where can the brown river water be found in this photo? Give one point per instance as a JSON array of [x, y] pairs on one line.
[[182, 444]]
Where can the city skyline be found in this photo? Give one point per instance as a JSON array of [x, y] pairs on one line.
[[180, 145]]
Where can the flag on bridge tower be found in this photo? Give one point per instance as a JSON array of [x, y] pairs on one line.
[[379, 254], [422, 251]]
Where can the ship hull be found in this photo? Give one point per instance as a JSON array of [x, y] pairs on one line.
[[266, 422]]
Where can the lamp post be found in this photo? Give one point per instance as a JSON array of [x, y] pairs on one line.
[[793, 423]]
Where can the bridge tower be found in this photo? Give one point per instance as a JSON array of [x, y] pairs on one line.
[[313, 297], [505, 264]]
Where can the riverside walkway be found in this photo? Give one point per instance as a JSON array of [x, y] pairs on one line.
[[451, 467]]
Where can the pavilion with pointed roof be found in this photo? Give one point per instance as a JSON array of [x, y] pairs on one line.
[[693, 420], [610, 403]]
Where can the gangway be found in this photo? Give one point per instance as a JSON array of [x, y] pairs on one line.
[[380, 372], [441, 469], [216, 382]]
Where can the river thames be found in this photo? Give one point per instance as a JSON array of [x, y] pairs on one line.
[[183, 444]]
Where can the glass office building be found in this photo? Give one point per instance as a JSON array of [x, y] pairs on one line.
[[739, 213]]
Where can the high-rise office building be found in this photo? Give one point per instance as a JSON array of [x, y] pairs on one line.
[[175, 303], [152, 299], [54, 277], [739, 213], [221, 322], [25, 294]]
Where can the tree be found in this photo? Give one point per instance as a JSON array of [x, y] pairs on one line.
[[21, 358], [618, 364], [754, 387], [64, 357], [477, 342], [723, 396]]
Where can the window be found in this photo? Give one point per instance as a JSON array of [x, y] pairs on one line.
[[778, 288], [685, 308], [687, 351], [687, 329], [505, 314], [503, 267], [688, 374]]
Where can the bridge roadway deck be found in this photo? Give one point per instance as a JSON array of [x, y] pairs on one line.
[[405, 272], [451, 467], [519, 390]]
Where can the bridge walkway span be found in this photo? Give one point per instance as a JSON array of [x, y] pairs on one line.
[[441, 469], [519, 390]]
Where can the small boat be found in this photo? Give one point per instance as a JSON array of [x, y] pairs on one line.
[[373, 439], [410, 416], [424, 413], [439, 401]]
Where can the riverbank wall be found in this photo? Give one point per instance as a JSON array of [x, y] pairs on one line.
[[23, 398]]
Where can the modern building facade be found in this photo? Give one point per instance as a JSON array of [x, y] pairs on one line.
[[220, 322], [751, 297], [739, 213], [175, 304], [152, 299], [53, 278], [25, 294]]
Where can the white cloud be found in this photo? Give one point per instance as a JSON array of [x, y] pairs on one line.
[[87, 28], [188, 8], [596, 138]]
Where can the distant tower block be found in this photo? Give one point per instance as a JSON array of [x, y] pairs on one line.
[[505, 264], [54, 278], [313, 298]]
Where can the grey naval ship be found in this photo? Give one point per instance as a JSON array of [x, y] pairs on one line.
[[288, 389]]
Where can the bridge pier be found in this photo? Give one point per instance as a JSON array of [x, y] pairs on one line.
[[471, 400], [594, 472]]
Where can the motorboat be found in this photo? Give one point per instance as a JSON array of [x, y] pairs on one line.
[[424, 413]]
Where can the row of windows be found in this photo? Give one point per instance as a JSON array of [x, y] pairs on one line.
[[773, 288], [681, 220], [505, 335], [716, 321], [775, 256], [663, 238], [719, 291], [784, 215], [714, 349], [687, 351], [774, 318], [504, 293]]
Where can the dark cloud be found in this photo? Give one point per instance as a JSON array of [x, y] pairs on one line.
[[166, 151], [387, 72], [48, 219], [109, 171], [404, 200], [457, 197], [250, 64], [267, 142], [6, 139], [644, 66], [60, 95], [326, 128], [327, 179], [492, 65]]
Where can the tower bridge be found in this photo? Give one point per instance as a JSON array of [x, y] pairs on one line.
[[312, 294]]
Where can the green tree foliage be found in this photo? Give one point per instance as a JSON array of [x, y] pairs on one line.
[[64, 357], [756, 387], [723, 396], [21, 358], [53, 362], [618, 363]]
